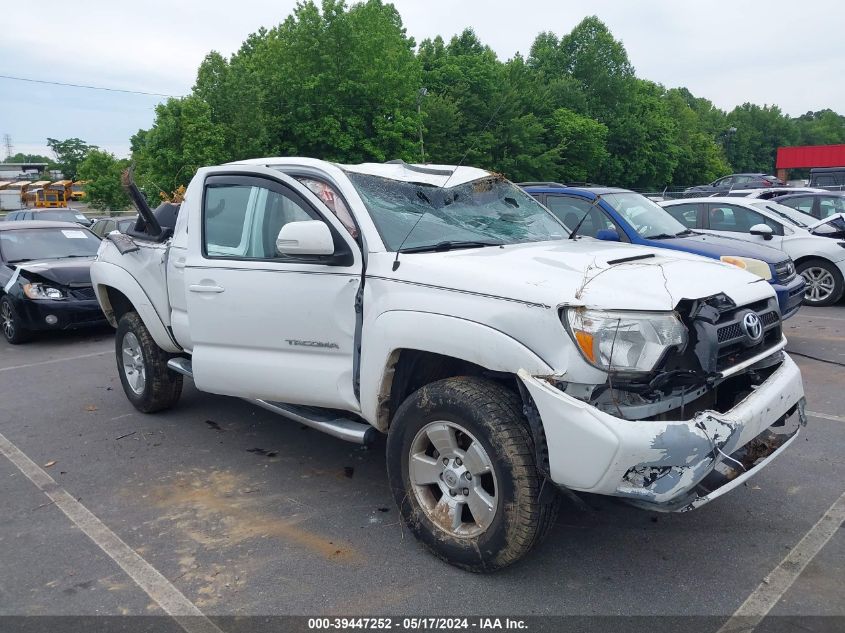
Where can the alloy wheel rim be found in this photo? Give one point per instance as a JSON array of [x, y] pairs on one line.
[[133, 363], [8, 321], [453, 479], [820, 283]]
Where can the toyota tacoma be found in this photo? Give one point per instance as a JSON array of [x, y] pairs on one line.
[[504, 358]]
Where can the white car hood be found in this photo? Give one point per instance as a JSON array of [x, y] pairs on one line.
[[827, 220], [576, 272]]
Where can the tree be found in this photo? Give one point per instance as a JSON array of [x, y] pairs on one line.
[[182, 140], [759, 132], [700, 158], [20, 157], [103, 189], [338, 83], [581, 146], [69, 154]]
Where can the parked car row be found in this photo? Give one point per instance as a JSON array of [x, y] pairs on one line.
[[620, 215], [816, 246]]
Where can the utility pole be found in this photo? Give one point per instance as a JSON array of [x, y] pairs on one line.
[[7, 141], [423, 92]]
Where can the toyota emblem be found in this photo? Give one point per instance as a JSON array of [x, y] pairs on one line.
[[752, 327]]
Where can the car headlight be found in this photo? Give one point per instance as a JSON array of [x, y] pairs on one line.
[[40, 291], [756, 266], [624, 341]]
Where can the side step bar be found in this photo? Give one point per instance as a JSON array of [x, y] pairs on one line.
[[320, 419], [323, 420], [181, 366]]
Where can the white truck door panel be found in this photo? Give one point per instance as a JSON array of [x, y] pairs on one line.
[[262, 325]]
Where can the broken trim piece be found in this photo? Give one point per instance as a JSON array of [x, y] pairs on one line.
[[754, 359]]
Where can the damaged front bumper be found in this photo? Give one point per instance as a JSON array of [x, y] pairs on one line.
[[672, 466]]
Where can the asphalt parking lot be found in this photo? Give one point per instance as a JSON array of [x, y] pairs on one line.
[[245, 513]]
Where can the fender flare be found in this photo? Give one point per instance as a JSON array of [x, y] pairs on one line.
[[440, 334], [105, 275]]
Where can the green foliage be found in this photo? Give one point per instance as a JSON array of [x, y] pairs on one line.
[[183, 139], [69, 154], [20, 157], [344, 83], [759, 132], [102, 172]]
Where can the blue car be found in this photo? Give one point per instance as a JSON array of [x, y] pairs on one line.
[[620, 215]]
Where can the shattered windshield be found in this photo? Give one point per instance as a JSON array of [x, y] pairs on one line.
[[648, 219], [489, 210]]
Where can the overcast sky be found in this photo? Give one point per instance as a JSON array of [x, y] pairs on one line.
[[772, 52]]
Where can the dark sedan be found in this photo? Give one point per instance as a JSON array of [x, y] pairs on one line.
[[736, 181], [45, 278]]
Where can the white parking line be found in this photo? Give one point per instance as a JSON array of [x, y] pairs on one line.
[[56, 360], [776, 584], [156, 586], [826, 416]]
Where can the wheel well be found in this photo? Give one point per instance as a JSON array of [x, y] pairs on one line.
[[808, 258], [410, 369], [119, 302]]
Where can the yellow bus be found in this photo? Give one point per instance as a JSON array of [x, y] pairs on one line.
[[77, 190], [30, 194], [53, 196]]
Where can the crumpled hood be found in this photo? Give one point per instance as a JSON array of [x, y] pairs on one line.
[[64, 272], [578, 272]]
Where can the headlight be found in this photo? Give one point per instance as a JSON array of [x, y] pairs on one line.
[[40, 291], [624, 341], [756, 266]]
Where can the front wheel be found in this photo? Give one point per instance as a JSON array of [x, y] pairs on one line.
[[13, 331], [142, 365], [461, 466], [824, 282]]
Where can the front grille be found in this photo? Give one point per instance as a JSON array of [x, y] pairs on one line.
[[734, 331], [720, 341], [732, 341], [83, 293], [785, 271]]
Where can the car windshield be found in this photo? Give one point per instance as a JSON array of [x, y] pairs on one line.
[[782, 211], [61, 216], [20, 245], [648, 219], [485, 211]]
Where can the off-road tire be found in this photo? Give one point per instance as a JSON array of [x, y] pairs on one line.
[[19, 334], [832, 270], [493, 415], [162, 386]]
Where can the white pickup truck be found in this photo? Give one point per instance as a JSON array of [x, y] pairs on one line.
[[504, 358]]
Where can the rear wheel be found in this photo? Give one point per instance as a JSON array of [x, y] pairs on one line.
[[461, 466], [824, 282], [13, 331], [142, 365]]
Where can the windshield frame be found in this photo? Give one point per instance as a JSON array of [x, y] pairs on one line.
[[433, 199], [6, 258]]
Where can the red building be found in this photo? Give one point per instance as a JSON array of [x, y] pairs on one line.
[[808, 156]]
